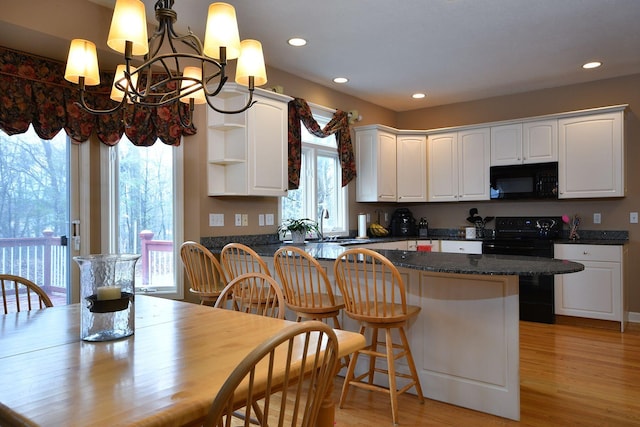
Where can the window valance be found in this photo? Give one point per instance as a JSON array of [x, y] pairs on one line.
[[299, 111], [33, 91]]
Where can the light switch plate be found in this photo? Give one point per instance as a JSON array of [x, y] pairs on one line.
[[597, 218], [238, 220], [216, 220], [633, 217], [261, 220], [269, 219]]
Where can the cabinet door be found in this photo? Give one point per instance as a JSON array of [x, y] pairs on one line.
[[473, 164], [593, 292], [411, 166], [540, 141], [506, 145], [442, 170], [376, 166], [267, 148], [590, 157]]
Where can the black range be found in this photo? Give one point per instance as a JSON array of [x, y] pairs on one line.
[[529, 236]]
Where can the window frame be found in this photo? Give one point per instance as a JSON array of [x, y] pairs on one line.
[[311, 151], [109, 196]]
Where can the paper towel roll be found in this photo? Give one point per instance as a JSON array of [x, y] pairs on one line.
[[362, 225]]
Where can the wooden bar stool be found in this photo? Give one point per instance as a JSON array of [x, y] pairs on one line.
[[374, 295], [307, 289], [238, 259], [205, 273]]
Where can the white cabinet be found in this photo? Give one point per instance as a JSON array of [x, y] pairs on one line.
[[591, 156], [247, 152], [391, 167], [597, 292], [461, 246], [411, 168], [458, 165], [376, 165], [528, 142]]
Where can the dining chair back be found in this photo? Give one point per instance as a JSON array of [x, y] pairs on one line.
[[255, 293], [375, 295], [238, 259], [21, 294], [204, 272], [285, 378]]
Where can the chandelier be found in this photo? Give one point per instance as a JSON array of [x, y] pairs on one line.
[[168, 76]]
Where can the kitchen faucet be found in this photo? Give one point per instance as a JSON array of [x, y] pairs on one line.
[[324, 214]]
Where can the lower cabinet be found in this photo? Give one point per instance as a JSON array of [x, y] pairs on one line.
[[597, 292]]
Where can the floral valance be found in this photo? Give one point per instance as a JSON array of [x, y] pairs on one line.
[[299, 111], [33, 91]]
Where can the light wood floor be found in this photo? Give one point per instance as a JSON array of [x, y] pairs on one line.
[[569, 376]]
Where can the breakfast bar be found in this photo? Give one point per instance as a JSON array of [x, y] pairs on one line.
[[465, 341]]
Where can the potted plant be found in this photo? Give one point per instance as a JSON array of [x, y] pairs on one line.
[[299, 228]]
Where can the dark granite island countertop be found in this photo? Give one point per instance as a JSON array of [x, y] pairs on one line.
[[445, 262]]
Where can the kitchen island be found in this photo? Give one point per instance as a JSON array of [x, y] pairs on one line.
[[465, 341]]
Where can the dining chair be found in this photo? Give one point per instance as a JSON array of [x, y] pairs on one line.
[[375, 295], [255, 293], [307, 288], [205, 273], [238, 259], [286, 391], [21, 294]]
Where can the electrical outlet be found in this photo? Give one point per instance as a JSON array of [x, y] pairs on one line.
[[245, 220], [633, 217], [269, 219], [597, 218], [261, 220], [238, 220]]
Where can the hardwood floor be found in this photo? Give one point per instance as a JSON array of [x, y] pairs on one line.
[[569, 376]]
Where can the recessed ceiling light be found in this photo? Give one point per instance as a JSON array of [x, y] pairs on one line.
[[418, 95], [297, 41], [340, 80], [589, 65]]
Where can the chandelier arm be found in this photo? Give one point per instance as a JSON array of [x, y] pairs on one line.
[[83, 102], [249, 104]]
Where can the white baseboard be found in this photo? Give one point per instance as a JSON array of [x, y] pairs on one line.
[[634, 317]]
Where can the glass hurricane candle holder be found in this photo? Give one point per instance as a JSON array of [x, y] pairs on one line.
[[107, 296]]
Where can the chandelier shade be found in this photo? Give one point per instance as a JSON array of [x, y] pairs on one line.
[[82, 63], [221, 31], [129, 23], [194, 75], [251, 63]]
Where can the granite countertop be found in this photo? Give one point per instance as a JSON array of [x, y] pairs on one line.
[[443, 262]]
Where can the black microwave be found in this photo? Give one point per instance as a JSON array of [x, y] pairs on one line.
[[530, 181]]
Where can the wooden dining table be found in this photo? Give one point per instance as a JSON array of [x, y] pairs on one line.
[[166, 374]]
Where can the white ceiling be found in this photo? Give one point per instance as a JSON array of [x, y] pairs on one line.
[[453, 50]]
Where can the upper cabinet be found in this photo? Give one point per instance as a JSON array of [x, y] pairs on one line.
[[591, 156], [247, 152], [411, 168], [391, 167], [458, 165], [528, 142]]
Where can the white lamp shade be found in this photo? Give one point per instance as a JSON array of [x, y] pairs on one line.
[[82, 62], [117, 94], [197, 96], [222, 30], [129, 23], [251, 63]]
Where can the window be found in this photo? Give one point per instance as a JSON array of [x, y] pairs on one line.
[[145, 212], [320, 184]]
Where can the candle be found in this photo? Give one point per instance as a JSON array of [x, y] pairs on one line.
[[108, 292]]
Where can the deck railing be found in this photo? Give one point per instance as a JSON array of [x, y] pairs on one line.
[[43, 260]]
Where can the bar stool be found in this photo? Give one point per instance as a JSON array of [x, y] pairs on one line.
[[204, 272], [307, 288], [374, 294], [238, 259]]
